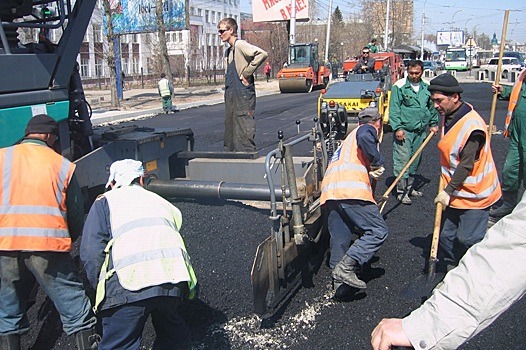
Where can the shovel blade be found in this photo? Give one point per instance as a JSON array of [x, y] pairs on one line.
[[423, 286]]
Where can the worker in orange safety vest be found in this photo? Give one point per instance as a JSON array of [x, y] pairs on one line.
[[41, 214]]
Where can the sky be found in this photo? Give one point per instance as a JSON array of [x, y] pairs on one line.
[[485, 16]]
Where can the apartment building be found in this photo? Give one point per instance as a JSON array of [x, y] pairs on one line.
[[199, 48]]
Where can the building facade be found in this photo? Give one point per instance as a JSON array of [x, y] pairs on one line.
[[198, 48]]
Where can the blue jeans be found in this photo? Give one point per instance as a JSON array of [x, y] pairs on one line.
[[467, 226], [359, 217], [122, 326], [56, 274]]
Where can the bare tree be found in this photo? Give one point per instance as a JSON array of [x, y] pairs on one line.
[[161, 31], [111, 53]]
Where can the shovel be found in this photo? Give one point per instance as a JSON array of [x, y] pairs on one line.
[[384, 198], [424, 285]]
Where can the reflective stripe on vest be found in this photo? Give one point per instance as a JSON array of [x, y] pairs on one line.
[[481, 188], [164, 87], [347, 176], [514, 98], [33, 199], [146, 248]]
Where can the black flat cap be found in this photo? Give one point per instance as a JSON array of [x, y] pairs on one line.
[[41, 124], [445, 83], [369, 113]]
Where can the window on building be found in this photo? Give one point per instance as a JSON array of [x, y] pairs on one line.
[[135, 65], [84, 67], [149, 64], [97, 33], [213, 17], [199, 12], [99, 67], [207, 16], [180, 35], [192, 10], [125, 65]]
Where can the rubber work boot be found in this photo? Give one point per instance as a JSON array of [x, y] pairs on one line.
[[10, 342], [87, 339], [410, 188], [509, 201], [345, 271], [402, 193]]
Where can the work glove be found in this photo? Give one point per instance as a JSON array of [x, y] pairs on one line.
[[377, 173], [442, 198]]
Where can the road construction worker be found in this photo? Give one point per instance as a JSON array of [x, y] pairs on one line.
[[348, 198], [514, 171], [411, 112], [240, 93], [365, 63], [42, 213], [467, 170], [166, 90], [489, 279], [136, 260]]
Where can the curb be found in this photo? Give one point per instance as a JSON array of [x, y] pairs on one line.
[[106, 117]]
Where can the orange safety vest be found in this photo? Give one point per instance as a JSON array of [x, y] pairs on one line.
[[514, 98], [34, 181], [347, 176], [481, 188]]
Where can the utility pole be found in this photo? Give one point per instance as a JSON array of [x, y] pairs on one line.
[[292, 38], [386, 25], [328, 33], [423, 26]]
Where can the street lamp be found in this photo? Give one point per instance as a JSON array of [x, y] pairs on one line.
[[466, 26], [341, 45], [423, 25], [452, 17]]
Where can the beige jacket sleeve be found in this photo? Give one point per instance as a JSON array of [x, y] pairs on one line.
[[489, 279], [248, 58]]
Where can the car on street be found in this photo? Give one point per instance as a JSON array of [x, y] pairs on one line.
[[518, 55], [431, 66], [509, 64]]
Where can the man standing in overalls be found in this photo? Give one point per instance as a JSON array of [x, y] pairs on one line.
[[240, 93]]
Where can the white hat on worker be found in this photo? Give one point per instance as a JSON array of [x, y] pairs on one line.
[[123, 172]]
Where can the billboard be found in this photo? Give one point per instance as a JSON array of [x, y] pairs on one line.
[[450, 38], [278, 10], [138, 16]]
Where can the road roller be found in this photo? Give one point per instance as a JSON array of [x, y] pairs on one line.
[[303, 72]]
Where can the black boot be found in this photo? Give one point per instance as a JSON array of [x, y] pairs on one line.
[[87, 339], [509, 201], [344, 272], [10, 342]]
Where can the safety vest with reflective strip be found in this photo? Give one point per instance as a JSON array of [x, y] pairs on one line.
[[145, 247], [347, 176], [514, 98], [33, 199], [164, 87], [481, 188]]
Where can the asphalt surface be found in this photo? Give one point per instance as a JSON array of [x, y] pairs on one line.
[[222, 237]]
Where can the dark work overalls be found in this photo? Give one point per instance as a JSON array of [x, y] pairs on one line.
[[240, 103]]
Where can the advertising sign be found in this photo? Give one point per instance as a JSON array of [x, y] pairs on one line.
[[450, 38], [138, 16], [278, 10]]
